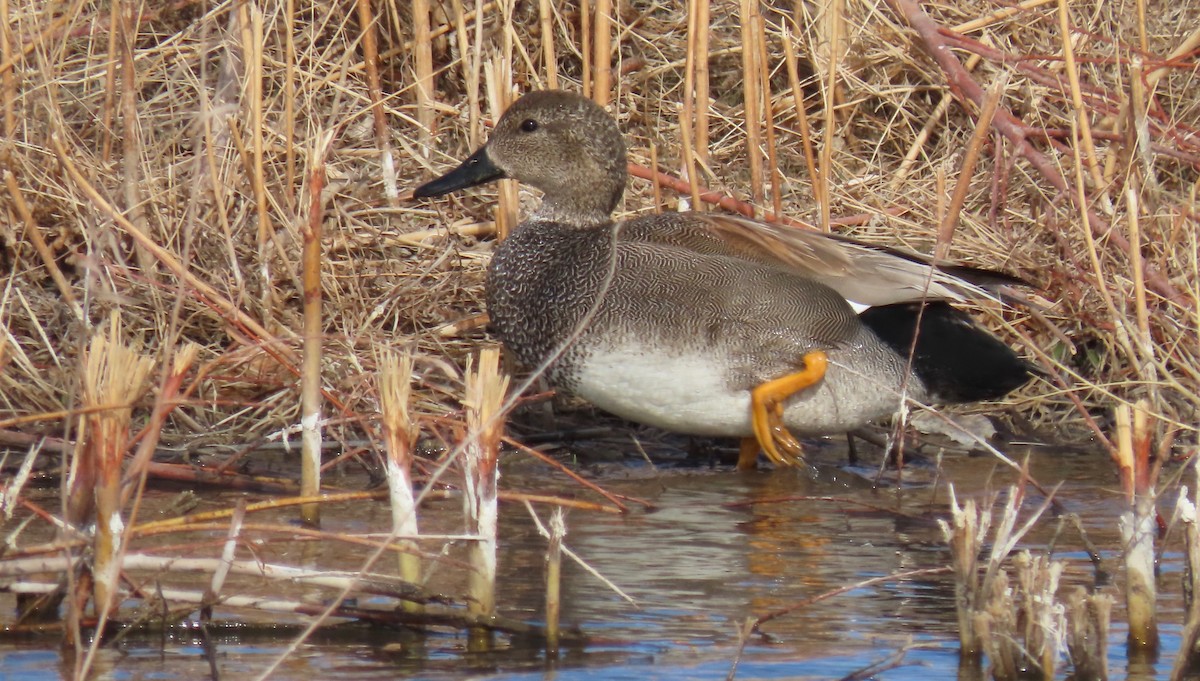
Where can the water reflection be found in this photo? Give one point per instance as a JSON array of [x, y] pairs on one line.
[[696, 568]]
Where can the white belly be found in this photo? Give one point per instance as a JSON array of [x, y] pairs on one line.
[[685, 393], [688, 393]]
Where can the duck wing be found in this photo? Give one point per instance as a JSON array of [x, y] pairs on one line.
[[866, 275]]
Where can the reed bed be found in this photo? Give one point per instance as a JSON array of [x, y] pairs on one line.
[[231, 178]]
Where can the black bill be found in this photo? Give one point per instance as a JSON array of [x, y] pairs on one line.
[[476, 170]]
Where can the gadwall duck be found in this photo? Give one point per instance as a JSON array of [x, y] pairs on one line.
[[709, 324]]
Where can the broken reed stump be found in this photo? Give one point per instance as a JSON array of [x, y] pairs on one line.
[[113, 376], [1187, 660], [965, 532], [558, 531], [400, 433], [1020, 628], [1138, 525], [1088, 618], [484, 400]]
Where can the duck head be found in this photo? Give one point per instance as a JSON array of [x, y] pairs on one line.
[[559, 142]]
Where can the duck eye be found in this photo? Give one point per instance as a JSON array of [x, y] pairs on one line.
[[529, 125]]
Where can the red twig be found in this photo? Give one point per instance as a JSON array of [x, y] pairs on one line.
[[934, 38]]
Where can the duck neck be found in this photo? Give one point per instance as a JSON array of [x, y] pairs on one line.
[[576, 213]]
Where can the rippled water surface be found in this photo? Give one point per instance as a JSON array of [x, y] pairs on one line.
[[692, 571]]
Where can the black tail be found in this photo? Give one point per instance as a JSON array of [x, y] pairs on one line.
[[957, 360]]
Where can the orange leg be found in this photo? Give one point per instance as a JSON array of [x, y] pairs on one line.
[[748, 454], [766, 410]]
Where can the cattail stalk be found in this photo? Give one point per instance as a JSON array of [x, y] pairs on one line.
[[399, 432], [289, 103], [768, 110]]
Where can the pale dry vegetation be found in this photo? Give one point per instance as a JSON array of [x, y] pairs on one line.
[[162, 164]]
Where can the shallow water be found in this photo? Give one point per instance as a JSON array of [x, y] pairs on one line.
[[696, 568]]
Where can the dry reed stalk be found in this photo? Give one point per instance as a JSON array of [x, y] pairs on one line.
[[1188, 656], [655, 185], [549, 56], [10, 490], [1044, 617], [110, 82], [423, 49], [1088, 617], [498, 77], [764, 79], [424, 83], [113, 376], [983, 130], [558, 531], [483, 401], [131, 146], [470, 64], [819, 186], [225, 564], [1081, 112], [752, 96], [1122, 335], [1133, 127], [585, 47], [1146, 362], [995, 622], [310, 373], [289, 103], [400, 433], [1138, 525], [694, 112], [602, 59], [251, 23], [1000, 15], [8, 85], [700, 76], [830, 23]]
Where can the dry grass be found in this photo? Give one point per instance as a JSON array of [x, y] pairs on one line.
[[176, 191], [164, 164]]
